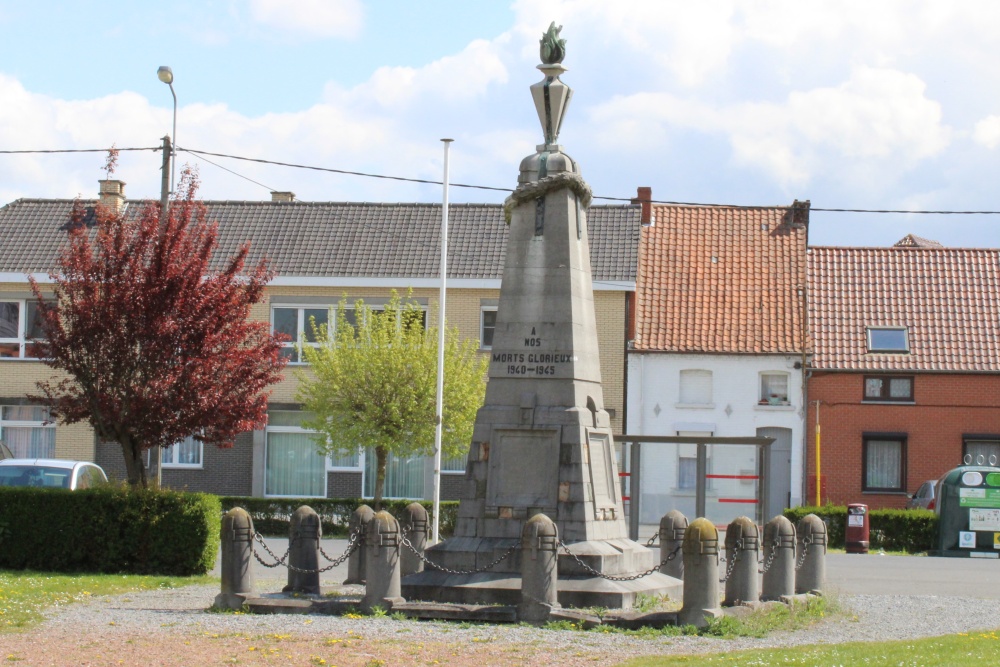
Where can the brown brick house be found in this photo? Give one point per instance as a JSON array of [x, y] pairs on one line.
[[906, 370]]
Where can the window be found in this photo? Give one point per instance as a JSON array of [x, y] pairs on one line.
[[18, 329], [774, 388], [981, 450], [696, 387], [892, 340], [884, 462], [27, 431], [487, 326], [404, 476], [297, 322], [454, 465], [292, 466], [185, 454], [687, 472], [888, 388]]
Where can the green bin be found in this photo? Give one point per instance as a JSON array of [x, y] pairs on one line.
[[968, 509]]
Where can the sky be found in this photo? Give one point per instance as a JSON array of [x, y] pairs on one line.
[[859, 104]]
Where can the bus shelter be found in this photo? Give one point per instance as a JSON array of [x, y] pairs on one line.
[[719, 478]]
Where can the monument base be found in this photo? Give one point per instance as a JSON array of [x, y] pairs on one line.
[[576, 587]]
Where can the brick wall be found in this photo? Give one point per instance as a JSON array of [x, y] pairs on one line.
[[946, 407], [343, 485]]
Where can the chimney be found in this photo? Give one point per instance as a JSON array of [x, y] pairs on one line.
[[644, 197], [282, 196], [112, 195]]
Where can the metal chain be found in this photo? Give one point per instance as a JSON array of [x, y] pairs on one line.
[[806, 541], [656, 568], [770, 556], [352, 544], [492, 565], [282, 561], [731, 561], [651, 541]]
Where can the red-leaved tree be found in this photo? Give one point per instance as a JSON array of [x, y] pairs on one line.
[[156, 345]]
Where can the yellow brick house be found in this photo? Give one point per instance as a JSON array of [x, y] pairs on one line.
[[321, 252]]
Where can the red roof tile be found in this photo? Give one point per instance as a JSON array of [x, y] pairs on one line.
[[947, 298], [721, 280]]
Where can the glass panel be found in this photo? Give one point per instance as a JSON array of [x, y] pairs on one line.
[[286, 321], [489, 327], [454, 464], [884, 465], [873, 387], [25, 413], [887, 340], [26, 442], [187, 452], [9, 316], [728, 495], [33, 328], [293, 466], [982, 450], [319, 316], [774, 387], [687, 471], [900, 387], [352, 460], [348, 315], [290, 353], [404, 478]]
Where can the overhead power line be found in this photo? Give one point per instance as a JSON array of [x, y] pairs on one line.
[[292, 165]]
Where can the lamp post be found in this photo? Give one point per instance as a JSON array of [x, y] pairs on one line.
[[166, 75]]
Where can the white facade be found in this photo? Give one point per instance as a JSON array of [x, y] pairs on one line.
[[722, 396]]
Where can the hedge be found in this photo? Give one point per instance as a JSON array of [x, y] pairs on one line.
[[912, 531], [271, 516], [110, 530]]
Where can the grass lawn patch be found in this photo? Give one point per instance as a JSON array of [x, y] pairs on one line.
[[979, 648], [24, 595]]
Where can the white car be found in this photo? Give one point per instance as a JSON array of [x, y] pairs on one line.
[[51, 473]]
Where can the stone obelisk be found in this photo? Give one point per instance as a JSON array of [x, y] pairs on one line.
[[542, 441]]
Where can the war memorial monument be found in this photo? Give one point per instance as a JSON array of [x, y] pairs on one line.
[[542, 442]]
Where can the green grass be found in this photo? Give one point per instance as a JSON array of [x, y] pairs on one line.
[[974, 648], [24, 596]]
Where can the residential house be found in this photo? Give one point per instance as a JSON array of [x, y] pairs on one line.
[[905, 380], [719, 346], [322, 252]]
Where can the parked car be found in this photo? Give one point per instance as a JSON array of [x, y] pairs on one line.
[[925, 496], [51, 473]]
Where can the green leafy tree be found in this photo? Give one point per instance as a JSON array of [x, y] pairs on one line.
[[374, 385]]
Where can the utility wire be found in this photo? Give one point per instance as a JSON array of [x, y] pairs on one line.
[[234, 173], [745, 207]]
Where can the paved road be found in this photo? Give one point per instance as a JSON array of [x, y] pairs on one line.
[[851, 574]]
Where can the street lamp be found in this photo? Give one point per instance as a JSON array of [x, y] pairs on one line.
[[166, 75]]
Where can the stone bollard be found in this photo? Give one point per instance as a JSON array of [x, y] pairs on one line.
[[237, 559], [356, 561], [416, 533], [779, 559], [811, 553], [539, 569], [672, 527], [382, 546], [304, 532], [742, 554], [701, 574]]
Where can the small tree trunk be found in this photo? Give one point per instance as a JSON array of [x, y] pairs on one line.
[[134, 467], [381, 459]]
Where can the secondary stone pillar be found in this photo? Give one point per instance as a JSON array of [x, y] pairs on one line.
[[811, 553], [701, 574], [672, 528], [742, 552], [779, 559], [539, 569], [415, 528], [382, 552], [237, 559], [304, 532], [358, 525]]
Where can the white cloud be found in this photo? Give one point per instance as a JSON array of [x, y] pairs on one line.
[[987, 132], [465, 75], [318, 18]]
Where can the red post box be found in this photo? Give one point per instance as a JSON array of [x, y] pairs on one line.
[[856, 530]]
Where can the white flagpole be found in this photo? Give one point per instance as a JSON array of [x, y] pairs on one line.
[[440, 369]]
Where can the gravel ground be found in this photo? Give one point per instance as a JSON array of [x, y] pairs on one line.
[[173, 628]]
